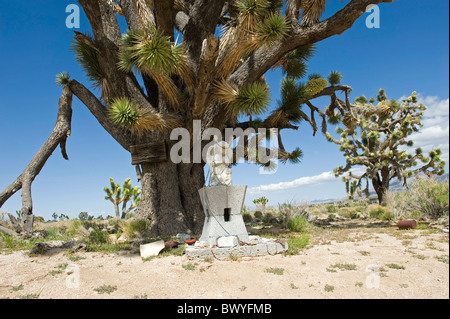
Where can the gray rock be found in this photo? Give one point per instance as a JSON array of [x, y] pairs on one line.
[[183, 237]]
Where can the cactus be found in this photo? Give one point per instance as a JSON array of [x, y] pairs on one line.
[[122, 195]]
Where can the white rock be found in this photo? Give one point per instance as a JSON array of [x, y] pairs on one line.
[[227, 241], [152, 249]]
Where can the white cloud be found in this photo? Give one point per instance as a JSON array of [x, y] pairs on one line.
[[435, 131], [300, 182]]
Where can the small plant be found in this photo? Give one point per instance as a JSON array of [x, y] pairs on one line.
[[105, 289], [275, 271], [189, 266], [258, 215], [59, 269], [345, 266], [331, 217], [296, 244], [329, 288], [137, 227], [17, 288], [297, 224], [380, 212], [364, 253], [395, 266], [30, 296], [443, 259], [331, 208], [359, 284]]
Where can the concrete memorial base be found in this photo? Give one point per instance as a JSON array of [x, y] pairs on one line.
[[222, 206], [257, 246]]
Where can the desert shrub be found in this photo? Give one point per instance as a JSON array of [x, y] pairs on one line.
[[295, 244], [137, 227], [269, 218], [425, 198], [258, 215], [97, 237], [288, 211], [331, 217], [349, 212], [379, 212], [331, 208], [247, 217], [297, 224], [354, 215]]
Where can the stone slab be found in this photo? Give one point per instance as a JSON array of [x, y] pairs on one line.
[[152, 249], [263, 248]]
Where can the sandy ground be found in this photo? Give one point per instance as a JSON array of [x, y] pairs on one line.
[[355, 263]]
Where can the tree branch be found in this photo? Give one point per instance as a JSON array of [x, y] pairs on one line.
[[264, 58], [101, 114], [60, 133]]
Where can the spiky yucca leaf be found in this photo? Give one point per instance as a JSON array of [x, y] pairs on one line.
[[294, 63], [87, 57], [312, 11], [127, 115], [155, 55], [335, 78], [273, 28], [251, 11], [251, 99], [225, 92], [124, 113], [314, 76], [62, 79], [295, 156]]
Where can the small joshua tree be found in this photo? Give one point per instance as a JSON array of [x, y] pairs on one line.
[[376, 138], [261, 203], [118, 195]]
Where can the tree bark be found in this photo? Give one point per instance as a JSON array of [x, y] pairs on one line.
[[170, 198], [381, 187]]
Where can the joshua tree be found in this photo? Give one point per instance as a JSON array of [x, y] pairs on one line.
[[118, 195], [376, 138], [261, 203], [172, 67]]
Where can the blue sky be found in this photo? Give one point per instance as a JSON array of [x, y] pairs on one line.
[[410, 51]]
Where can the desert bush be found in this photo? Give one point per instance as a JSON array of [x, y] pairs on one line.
[[426, 197], [288, 211], [98, 237], [379, 212], [258, 215], [136, 227], [247, 217], [297, 224], [331, 208], [295, 244], [331, 217], [269, 218]]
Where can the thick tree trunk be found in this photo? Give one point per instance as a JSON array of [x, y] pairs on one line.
[[170, 199], [381, 187]]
